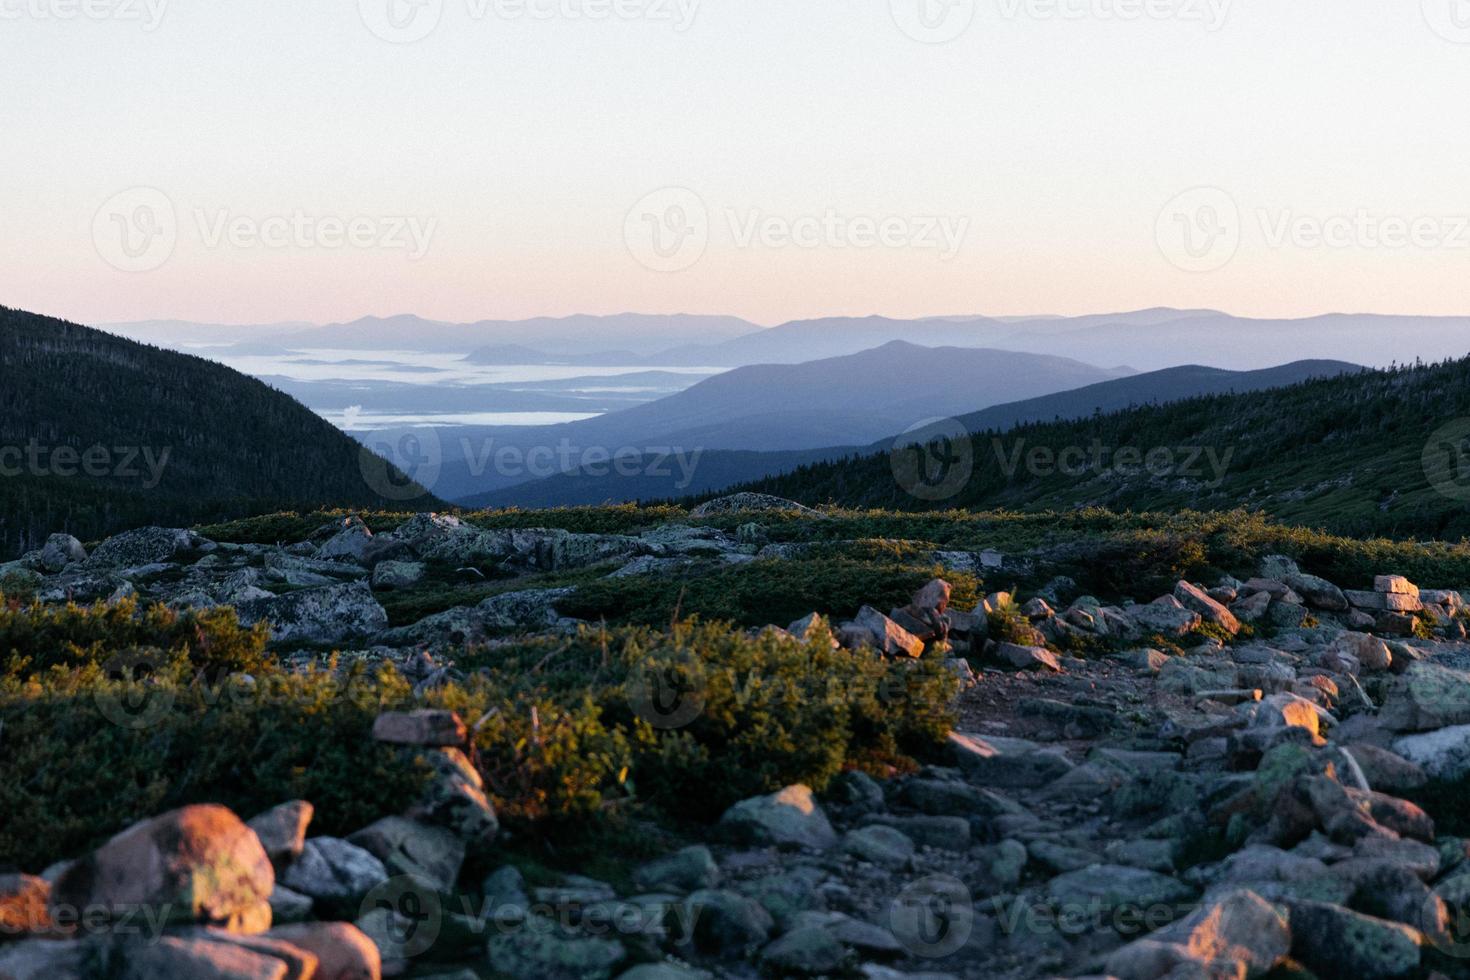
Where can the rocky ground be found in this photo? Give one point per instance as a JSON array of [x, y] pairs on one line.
[[1223, 786]]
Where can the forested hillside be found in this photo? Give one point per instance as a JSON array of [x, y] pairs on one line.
[[98, 433], [1381, 452]]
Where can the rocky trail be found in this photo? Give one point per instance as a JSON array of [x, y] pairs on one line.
[[1243, 778]]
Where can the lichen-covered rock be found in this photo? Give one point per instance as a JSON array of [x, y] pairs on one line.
[[327, 615], [335, 874], [146, 546], [59, 551], [532, 609], [1333, 941], [738, 503], [543, 951]]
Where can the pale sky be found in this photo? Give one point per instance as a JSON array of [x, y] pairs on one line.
[[1026, 164]]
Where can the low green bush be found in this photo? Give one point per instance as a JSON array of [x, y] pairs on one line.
[[762, 592], [35, 637], [87, 755], [566, 729]]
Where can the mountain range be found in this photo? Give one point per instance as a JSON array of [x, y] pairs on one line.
[[837, 401], [718, 470], [1145, 340]]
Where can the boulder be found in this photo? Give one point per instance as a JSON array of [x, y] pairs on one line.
[[1195, 599], [1115, 888], [688, 870], [351, 543], [145, 546], [59, 551], [430, 855], [810, 951], [1006, 763], [332, 614], [1371, 653], [199, 864], [1318, 592], [1333, 941], [531, 609], [341, 950], [790, 818], [455, 797], [44, 959], [1427, 697], [282, 830], [891, 639], [1395, 585], [1164, 618], [1239, 934], [1253, 608], [1442, 754], [336, 875], [388, 575], [738, 503], [886, 847], [1028, 658], [212, 956], [549, 952], [726, 923]]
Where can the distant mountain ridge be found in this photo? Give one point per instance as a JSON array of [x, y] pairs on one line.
[[99, 433], [1145, 340], [719, 470], [848, 400], [1377, 452]]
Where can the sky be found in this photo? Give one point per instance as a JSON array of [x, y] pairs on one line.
[[468, 159]]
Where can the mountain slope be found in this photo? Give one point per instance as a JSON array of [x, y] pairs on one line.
[[851, 400], [99, 433], [716, 470], [1378, 452]]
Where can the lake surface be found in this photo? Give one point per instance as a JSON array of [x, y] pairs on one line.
[[361, 390]]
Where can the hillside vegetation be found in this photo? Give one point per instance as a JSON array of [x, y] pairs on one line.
[[98, 433], [1379, 452]]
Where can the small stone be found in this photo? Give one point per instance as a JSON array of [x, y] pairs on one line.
[[1028, 658], [880, 845], [282, 830], [423, 728], [789, 818], [688, 870]]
